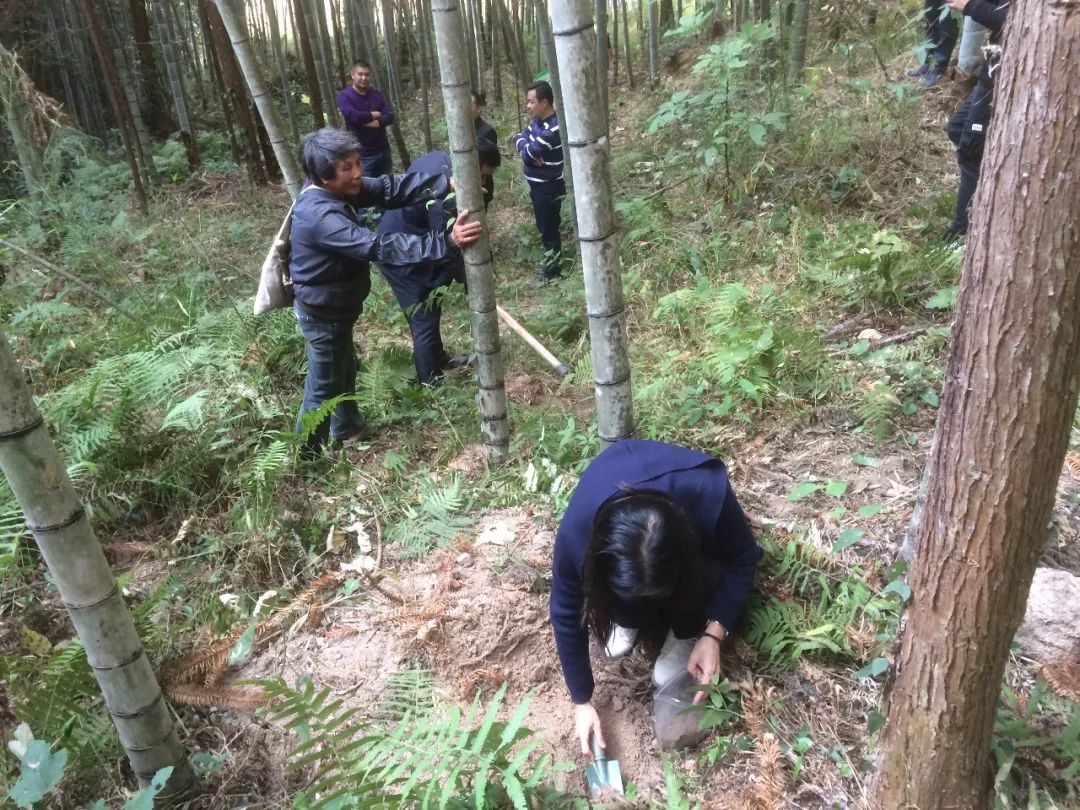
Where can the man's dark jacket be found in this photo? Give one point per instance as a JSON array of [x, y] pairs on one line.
[[331, 249]]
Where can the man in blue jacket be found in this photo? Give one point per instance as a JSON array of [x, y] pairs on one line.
[[540, 147], [419, 287], [652, 534], [328, 263], [967, 125]]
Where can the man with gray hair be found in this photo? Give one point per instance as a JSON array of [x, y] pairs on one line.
[[329, 265]]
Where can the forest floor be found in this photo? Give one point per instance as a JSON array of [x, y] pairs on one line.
[[431, 558]]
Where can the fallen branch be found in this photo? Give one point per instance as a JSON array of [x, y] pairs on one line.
[[73, 279], [889, 341]]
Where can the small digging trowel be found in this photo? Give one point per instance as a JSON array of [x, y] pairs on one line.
[[602, 774]]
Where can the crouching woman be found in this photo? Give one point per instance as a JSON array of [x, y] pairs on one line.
[[653, 535], [329, 265]]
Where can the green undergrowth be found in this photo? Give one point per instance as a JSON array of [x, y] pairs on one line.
[[757, 216]]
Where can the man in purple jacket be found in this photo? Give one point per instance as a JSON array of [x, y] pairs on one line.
[[367, 114]]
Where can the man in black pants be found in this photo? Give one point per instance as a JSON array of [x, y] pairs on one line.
[[540, 147], [967, 125], [419, 288], [942, 32]]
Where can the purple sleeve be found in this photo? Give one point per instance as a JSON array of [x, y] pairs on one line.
[[350, 110], [387, 112], [735, 547]]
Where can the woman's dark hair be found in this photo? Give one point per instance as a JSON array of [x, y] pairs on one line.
[[479, 98], [488, 153], [643, 549], [322, 150]]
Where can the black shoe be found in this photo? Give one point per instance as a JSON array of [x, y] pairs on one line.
[[543, 278], [932, 79], [360, 433], [921, 70], [953, 237], [457, 361]]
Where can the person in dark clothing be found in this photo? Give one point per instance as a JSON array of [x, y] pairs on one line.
[[653, 533], [485, 132], [328, 263], [419, 287], [540, 147], [967, 125], [942, 32], [367, 114]]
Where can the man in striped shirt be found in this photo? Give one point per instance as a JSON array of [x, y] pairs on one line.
[[540, 147]]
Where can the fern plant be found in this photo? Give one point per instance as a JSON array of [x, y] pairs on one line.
[[426, 759], [436, 519]]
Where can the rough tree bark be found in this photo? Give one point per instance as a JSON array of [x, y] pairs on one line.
[[155, 110], [73, 555], [236, 89], [308, 58], [167, 38], [233, 17], [282, 66], [116, 99], [800, 24], [1009, 398], [454, 69], [583, 124]]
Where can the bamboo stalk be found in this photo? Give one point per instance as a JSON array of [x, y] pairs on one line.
[[234, 23], [76, 562], [454, 70], [585, 135]]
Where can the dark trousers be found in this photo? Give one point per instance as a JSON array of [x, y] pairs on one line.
[[547, 206], [967, 130], [942, 31], [378, 163], [418, 291], [332, 367]]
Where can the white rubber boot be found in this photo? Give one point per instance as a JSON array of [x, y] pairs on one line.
[[673, 658], [620, 642]]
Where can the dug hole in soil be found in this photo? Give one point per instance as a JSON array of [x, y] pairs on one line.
[[476, 617]]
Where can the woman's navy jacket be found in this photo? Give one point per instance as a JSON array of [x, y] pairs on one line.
[[331, 249], [696, 482]]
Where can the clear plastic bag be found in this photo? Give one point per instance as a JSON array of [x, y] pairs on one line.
[[677, 722]]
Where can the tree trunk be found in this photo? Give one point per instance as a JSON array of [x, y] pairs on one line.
[[585, 137], [506, 26], [454, 69], [391, 73], [155, 110], [496, 52], [283, 68], [602, 53], [667, 15], [166, 36], [144, 154], [423, 20], [800, 24], [626, 41], [1009, 398], [304, 43], [237, 91], [233, 17], [117, 99], [654, 43], [321, 54], [75, 561]]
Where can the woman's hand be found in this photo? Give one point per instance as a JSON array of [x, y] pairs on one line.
[[465, 233], [704, 661], [586, 722]]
